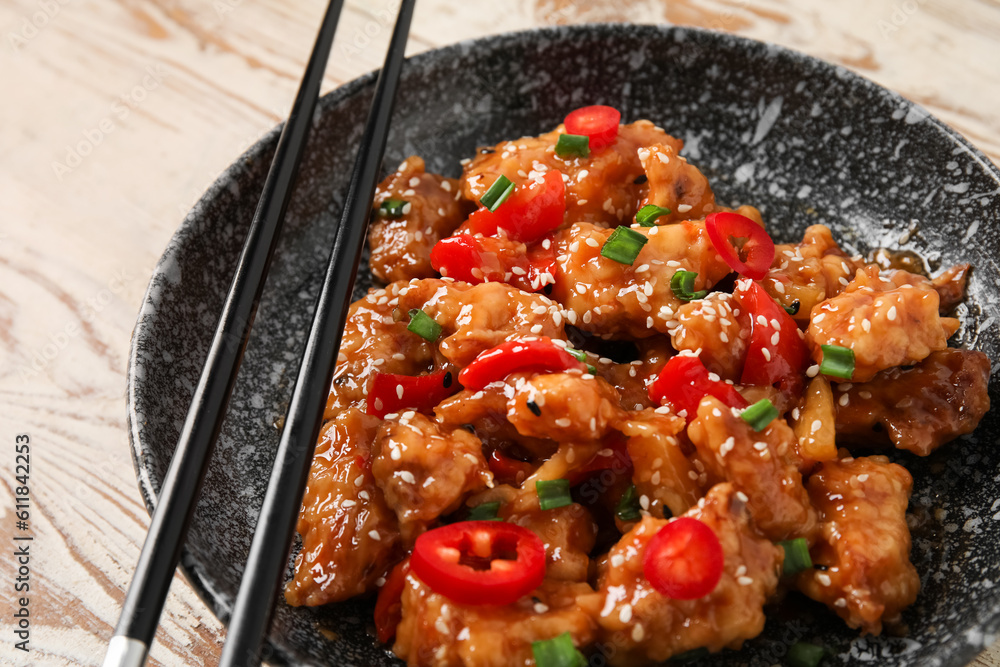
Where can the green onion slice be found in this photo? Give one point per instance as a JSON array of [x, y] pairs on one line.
[[797, 557], [628, 507], [804, 654], [623, 245], [794, 308], [497, 194], [557, 652], [573, 145], [423, 325], [760, 414], [837, 361], [485, 512], [681, 284], [648, 214], [392, 208], [553, 493], [580, 355]]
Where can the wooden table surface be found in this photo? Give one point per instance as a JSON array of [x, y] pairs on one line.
[[116, 117]]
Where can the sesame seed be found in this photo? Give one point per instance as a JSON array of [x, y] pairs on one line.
[[891, 315], [819, 318], [625, 615], [399, 391], [563, 422], [592, 242], [844, 400], [374, 535], [638, 633], [823, 578], [816, 425], [775, 338], [683, 208], [767, 353], [407, 477], [617, 560], [744, 581], [813, 370]]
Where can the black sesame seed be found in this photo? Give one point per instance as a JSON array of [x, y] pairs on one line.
[[470, 428], [640, 179], [447, 379], [821, 567], [534, 408]]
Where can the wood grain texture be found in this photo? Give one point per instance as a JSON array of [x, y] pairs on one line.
[[116, 116]]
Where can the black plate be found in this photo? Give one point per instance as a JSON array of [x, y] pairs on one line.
[[805, 141]]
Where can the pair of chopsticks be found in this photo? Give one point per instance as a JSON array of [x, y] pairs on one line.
[[182, 484]]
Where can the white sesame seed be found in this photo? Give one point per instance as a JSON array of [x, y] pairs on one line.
[[374, 535], [744, 581], [625, 615], [592, 242], [563, 422], [767, 353], [407, 477], [891, 315]]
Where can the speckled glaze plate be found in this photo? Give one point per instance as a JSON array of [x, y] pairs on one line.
[[805, 141]]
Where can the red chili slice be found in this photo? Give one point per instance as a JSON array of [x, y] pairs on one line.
[[392, 393], [508, 470], [753, 255], [684, 381], [538, 355], [480, 562], [776, 355], [684, 560], [533, 210], [598, 122], [477, 259], [389, 605]]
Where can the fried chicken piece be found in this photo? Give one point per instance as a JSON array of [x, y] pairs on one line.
[[610, 299], [886, 321], [565, 407], [476, 318], [401, 246], [866, 576], [675, 184], [425, 470], [663, 475], [718, 328], [436, 632], [376, 341], [763, 465], [647, 627], [601, 188], [917, 408], [568, 532], [350, 537], [809, 272]]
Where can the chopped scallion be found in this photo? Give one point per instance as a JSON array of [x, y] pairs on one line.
[[681, 284], [553, 493], [423, 325], [648, 214], [392, 208], [485, 512], [797, 557], [623, 245], [573, 145], [794, 308], [580, 355], [760, 414], [497, 194], [804, 654], [557, 652], [628, 507], [838, 361]]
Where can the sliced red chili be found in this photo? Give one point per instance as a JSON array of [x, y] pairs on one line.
[[508, 470], [741, 242], [478, 259], [533, 210], [392, 393], [537, 355], [598, 122], [684, 381], [389, 604], [776, 353], [480, 562], [684, 560]]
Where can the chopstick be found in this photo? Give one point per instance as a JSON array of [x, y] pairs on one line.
[[273, 535], [181, 487]]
